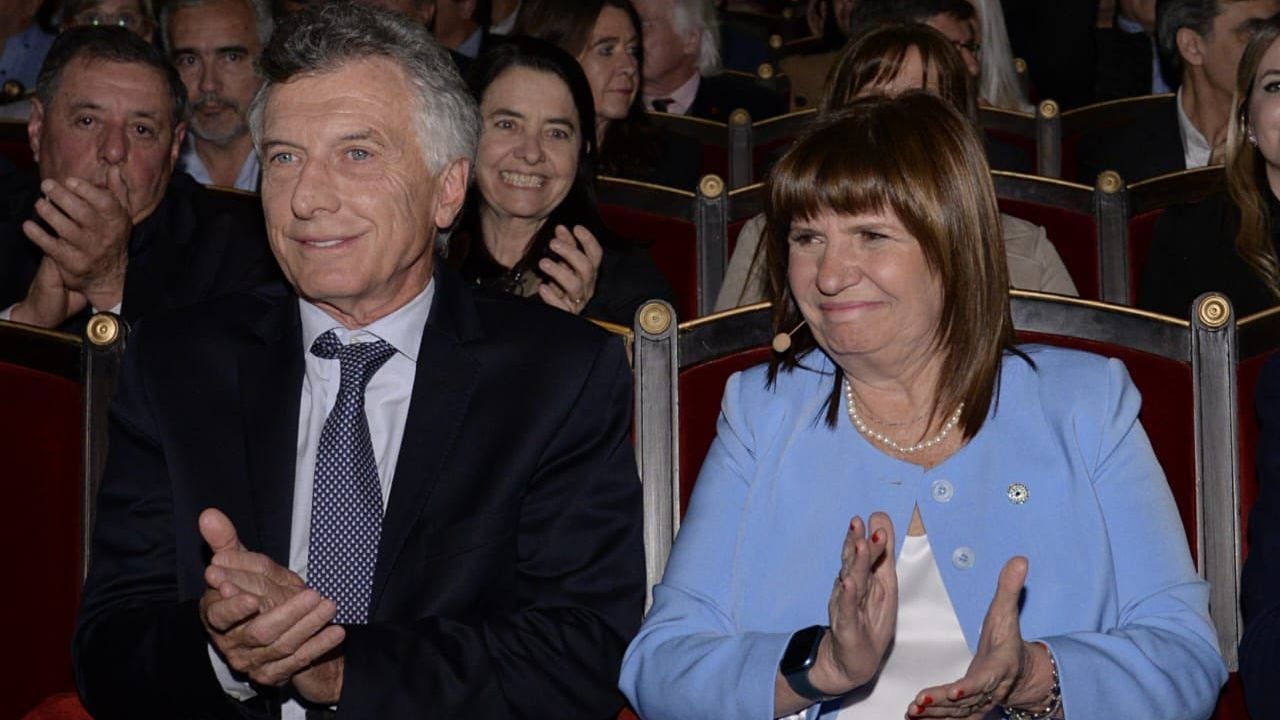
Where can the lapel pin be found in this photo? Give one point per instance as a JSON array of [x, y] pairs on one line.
[[1018, 494]]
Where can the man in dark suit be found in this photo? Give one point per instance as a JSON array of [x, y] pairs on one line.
[[105, 224], [375, 493], [1200, 42], [682, 63]]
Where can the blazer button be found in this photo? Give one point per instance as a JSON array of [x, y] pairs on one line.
[[962, 558], [941, 490]]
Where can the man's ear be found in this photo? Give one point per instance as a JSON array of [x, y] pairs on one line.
[[34, 125], [452, 191], [179, 133], [1190, 46], [693, 42], [427, 12]]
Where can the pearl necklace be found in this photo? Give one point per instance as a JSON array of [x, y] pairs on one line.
[[890, 442]]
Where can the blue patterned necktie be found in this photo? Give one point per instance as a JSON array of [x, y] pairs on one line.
[[346, 500]]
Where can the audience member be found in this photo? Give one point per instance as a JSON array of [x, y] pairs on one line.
[[503, 16], [829, 20], [243, 563], [1227, 242], [968, 470], [604, 35], [1128, 63], [135, 15], [215, 44], [1260, 583], [531, 226], [23, 44], [458, 27], [682, 60], [890, 59], [1200, 43], [105, 226]]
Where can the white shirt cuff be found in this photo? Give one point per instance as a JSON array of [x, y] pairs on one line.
[[227, 678]]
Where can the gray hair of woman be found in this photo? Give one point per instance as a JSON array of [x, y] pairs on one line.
[[329, 35]]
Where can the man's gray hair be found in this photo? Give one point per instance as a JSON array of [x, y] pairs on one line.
[[325, 37], [261, 18], [1173, 15], [689, 15]]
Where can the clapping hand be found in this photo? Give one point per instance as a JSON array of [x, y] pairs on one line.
[[264, 620], [90, 239], [998, 673], [572, 281], [863, 608]]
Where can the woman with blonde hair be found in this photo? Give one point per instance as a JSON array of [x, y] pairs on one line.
[[1227, 242]]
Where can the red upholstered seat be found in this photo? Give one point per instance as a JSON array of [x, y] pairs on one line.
[[40, 532], [701, 389], [62, 706], [1073, 234], [55, 388], [673, 243]]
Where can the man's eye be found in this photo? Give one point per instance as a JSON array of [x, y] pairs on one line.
[[280, 158], [359, 154], [144, 131], [85, 121], [233, 57]]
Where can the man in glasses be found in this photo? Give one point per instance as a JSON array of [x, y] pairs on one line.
[[132, 15]]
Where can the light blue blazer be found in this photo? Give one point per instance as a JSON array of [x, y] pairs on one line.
[[1111, 587]]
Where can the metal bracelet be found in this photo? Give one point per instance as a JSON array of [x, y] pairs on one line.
[[1051, 704]]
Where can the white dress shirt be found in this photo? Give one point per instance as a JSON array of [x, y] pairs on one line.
[[247, 179], [386, 405], [1196, 150], [681, 98]]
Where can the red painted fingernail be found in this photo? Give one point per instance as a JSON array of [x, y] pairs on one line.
[[959, 694], [851, 522], [875, 536], [928, 700]]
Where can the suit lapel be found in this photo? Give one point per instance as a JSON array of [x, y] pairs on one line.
[[271, 388], [442, 388]]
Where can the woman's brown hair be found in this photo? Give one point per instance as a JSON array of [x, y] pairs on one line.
[[916, 156], [876, 57], [1246, 168]]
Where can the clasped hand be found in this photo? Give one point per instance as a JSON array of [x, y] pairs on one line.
[[265, 621], [86, 253]]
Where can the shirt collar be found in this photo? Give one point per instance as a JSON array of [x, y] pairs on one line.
[[471, 46], [402, 329], [189, 161], [681, 98], [1195, 148]]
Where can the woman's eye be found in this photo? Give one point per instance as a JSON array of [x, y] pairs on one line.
[[1271, 87], [803, 238], [504, 124]]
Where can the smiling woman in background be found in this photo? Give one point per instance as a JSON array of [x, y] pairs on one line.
[[531, 226]]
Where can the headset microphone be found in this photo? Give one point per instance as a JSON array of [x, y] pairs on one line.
[[782, 341]]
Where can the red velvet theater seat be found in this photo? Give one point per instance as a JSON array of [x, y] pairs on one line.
[[55, 388], [1068, 214], [683, 231]]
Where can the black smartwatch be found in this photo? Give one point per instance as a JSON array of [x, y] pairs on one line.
[[800, 655]]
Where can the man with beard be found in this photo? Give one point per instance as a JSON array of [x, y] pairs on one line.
[[215, 45], [106, 224]]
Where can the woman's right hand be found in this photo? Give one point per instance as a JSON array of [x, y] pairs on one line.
[[863, 612], [863, 609]]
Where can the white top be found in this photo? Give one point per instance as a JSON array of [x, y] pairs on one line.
[[928, 648]]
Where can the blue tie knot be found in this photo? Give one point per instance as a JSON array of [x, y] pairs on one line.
[[359, 361]]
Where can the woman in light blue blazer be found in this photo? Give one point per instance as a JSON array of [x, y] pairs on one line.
[[904, 513]]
